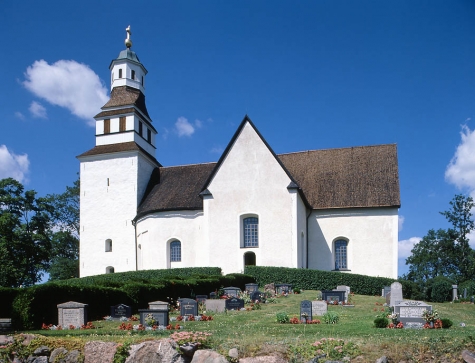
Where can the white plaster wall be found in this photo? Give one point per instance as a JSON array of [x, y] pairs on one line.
[[115, 138], [126, 79], [301, 237], [249, 181], [110, 192], [372, 236], [156, 231]]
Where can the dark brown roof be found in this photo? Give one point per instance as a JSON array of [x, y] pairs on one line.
[[335, 178], [114, 148], [126, 96], [178, 189], [119, 111], [364, 176]]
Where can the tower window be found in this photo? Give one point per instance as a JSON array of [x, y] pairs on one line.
[[120, 73], [107, 126], [122, 124], [175, 251], [149, 135], [133, 74], [108, 245], [142, 80], [140, 128]]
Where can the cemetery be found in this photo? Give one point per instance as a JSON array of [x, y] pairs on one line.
[[262, 318]]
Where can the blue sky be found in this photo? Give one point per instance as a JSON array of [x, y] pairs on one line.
[[310, 74]]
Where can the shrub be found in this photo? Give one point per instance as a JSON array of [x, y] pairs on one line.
[[330, 317], [282, 317], [446, 323], [381, 322], [441, 289]]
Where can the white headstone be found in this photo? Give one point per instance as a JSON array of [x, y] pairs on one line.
[[72, 314], [396, 294], [319, 308]]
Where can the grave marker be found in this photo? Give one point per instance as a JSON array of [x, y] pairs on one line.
[[319, 308], [454, 292], [201, 298], [283, 288], [188, 307], [158, 305], [250, 288], [160, 316], [232, 291], [121, 310], [333, 295], [346, 289], [256, 296], [216, 305], [410, 313], [396, 294], [72, 313], [305, 311], [234, 304]]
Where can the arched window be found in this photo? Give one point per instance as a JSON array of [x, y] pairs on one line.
[[175, 251], [133, 74], [109, 270], [120, 73], [108, 245], [251, 231], [341, 254], [249, 259]]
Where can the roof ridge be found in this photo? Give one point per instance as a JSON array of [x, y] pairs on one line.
[[336, 148], [184, 165]]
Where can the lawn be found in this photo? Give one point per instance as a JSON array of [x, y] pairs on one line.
[[257, 332]]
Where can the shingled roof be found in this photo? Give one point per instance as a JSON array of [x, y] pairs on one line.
[[114, 148], [126, 96], [335, 178]]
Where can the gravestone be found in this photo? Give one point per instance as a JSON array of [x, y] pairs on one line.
[[121, 310], [212, 295], [257, 296], [386, 290], [283, 288], [410, 312], [250, 288], [333, 295], [454, 292], [188, 307], [346, 289], [305, 310], [465, 293], [158, 305], [201, 298], [72, 313], [160, 316], [234, 304], [216, 305], [5, 325], [232, 291], [396, 294], [319, 308]]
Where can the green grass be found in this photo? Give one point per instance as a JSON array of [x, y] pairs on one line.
[[257, 332]]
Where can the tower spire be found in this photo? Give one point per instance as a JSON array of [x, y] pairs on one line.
[[128, 41]]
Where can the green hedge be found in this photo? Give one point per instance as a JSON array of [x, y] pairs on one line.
[[36, 305], [7, 295], [325, 280]]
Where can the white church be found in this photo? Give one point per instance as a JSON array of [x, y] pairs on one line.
[[332, 210]]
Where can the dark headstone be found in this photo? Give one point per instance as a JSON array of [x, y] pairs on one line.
[[201, 298], [283, 288], [160, 316], [121, 310], [234, 304], [250, 288], [256, 296], [465, 293], [331, 296], [188, 307], [305, 310], [5, 325], [410, 313], [212, 295], [232, 291]]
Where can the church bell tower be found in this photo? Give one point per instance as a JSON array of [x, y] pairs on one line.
[[114, 174]]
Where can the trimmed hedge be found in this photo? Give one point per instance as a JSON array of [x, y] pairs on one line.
[[36, 305], [7, 295], [325, 280]]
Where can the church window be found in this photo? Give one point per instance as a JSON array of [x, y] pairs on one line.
[[109, 270], [133, 74], [142, 80], [149, 135], [122, 124], [107, 126], [108, 245], [120, 73], [175, 251], [140, 128], [251, 231], [341, 254]]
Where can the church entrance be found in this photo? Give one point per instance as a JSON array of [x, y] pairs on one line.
[[249, 259]]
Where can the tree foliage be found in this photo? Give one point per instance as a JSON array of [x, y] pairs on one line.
[[446, 252], [24, 235]]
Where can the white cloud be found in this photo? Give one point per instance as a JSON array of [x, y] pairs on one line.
[[37, 110], [461, 169], [405, 246], [12, 165], [471, 237], [183, 127], [217, 150], [19, 115], [68, 84], [400, 222], [198, 123]]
